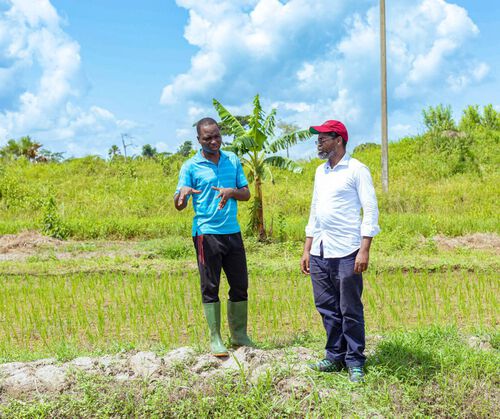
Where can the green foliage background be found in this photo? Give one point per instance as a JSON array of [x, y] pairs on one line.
[[439, 184]]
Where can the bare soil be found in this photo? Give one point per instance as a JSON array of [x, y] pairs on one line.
[[25, 242], [15, 247], [481, 241], [29, 243]]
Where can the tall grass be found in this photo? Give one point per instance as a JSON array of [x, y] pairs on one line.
[[133, 199]]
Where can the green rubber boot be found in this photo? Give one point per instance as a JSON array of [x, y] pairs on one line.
[[212, 314], [237, 319]]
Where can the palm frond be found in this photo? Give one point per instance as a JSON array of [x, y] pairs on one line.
[[256, 123], [233, 147], [270, 124], [229, 120], [248, 143], [283, 163], [249, 166], [288, 140], [257, 117], [245, 162], [268, 174]]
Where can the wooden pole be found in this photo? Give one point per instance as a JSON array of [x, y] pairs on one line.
[[383, 84]]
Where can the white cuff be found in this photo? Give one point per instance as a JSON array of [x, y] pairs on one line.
[[369, 230]]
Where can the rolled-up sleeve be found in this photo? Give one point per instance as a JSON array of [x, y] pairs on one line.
[[311, 225], [368, 199]]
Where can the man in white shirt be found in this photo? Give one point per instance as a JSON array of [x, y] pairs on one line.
[[337, 247]]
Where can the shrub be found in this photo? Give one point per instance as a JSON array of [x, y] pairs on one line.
[[52, 224], [438, 118], [490, 118], [471, 118]]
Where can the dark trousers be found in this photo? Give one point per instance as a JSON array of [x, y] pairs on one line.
[[337, 295], [221, 251]]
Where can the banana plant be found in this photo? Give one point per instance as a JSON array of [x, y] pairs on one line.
[[256, 147]]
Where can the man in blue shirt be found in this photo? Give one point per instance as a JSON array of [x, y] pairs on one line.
[[215, 180]]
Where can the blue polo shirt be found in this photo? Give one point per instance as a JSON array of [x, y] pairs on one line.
[[200, 173]]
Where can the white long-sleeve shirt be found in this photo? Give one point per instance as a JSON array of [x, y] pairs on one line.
[[335, 219]]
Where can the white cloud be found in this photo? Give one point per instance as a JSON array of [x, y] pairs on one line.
[[480, 71], [306, 72], [240, 37], [401, 130], [292, 106], [430, 35], [41, 79], [316, 65], [472, 74], [312, 60], [184, 133], [196, 112], [163, 146], [361, 41], [206, 70]]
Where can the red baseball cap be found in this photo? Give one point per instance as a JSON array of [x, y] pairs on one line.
[[331, 126]]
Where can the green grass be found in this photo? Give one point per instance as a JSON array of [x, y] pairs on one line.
[[123, 200], [429, 372], [94, 313], [94, 296]]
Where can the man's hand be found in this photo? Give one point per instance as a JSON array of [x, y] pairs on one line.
[[361, 262], [306, 256], [224, 195], [304, 263], [181, 199]]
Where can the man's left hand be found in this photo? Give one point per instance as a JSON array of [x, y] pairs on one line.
[[224, 195], [361, 262]]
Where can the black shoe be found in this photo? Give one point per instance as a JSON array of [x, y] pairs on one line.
[[325, 365], [356, 374]]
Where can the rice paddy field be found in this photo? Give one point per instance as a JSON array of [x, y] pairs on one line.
[[124, 279], [82, 313], [432, 335]]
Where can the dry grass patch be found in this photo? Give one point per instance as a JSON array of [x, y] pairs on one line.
[[481, 241]]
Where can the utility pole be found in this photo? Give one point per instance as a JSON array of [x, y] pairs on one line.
[[383, 85], [124, 136]]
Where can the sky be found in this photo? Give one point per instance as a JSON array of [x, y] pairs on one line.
[[75, 75]]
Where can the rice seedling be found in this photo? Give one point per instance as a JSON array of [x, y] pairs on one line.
[[98, 312]]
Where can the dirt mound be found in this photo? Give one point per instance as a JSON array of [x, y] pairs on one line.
[[25, 241], [49, 376], [288, 367], [487, 241]]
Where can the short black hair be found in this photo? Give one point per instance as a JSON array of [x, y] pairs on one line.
[[205, 121]]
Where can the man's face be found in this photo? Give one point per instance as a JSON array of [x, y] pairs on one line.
[[210, 138], [328, 144]]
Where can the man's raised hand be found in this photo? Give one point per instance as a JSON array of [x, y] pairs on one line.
[[184, 192], [224, 195]]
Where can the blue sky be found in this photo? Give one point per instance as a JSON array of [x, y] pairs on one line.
[[76, 74]]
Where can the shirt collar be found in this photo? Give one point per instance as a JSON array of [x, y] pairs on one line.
[[198, 157], [344, 161]]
